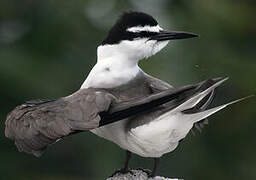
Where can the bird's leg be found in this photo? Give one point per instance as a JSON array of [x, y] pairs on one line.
[[156, 162], [126, 164], [125, 169], [153, 172]]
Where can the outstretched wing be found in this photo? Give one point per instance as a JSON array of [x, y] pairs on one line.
[[36, 124]]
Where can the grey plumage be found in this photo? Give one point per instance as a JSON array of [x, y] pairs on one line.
[[36, 124], [145, 85]]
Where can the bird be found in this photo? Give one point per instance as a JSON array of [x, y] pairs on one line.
[[120, 102]]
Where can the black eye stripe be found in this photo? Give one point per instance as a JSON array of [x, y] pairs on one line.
[[146, 34], [141, 34], [127, 35]]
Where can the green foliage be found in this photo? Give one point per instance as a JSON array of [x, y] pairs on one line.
[[48, 47]]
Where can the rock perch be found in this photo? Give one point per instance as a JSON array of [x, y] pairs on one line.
[[138, 175]]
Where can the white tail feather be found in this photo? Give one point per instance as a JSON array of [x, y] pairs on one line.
[[190, 103], [195, 117]]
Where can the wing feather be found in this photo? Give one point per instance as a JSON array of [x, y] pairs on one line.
[[36, 124]]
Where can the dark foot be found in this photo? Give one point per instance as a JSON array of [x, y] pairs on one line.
[[121, 171], [151, 175]]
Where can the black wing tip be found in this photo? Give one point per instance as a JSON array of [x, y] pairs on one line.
[[193, 35]]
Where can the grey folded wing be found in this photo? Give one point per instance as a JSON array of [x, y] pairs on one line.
[[36, 124]]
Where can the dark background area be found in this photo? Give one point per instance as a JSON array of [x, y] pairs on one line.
[[48, 47]]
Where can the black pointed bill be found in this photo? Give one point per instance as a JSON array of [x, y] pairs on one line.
[[172, 35]]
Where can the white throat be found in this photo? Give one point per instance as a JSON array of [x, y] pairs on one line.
[[117, 64], [113, 68]]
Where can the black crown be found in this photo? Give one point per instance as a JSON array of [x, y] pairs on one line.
[[129, 19]]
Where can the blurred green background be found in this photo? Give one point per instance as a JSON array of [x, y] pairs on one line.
[[48, 47]]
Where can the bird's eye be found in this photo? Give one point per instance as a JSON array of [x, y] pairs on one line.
[[142, 34], [148, 33]]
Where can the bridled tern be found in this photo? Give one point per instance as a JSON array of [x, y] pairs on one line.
[[119, 101]]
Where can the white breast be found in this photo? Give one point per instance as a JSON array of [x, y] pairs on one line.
[[109, 73]]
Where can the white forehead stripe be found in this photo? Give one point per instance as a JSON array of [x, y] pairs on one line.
[[144, 28]]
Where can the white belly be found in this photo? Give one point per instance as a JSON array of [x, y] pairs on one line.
[[150, 140]]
